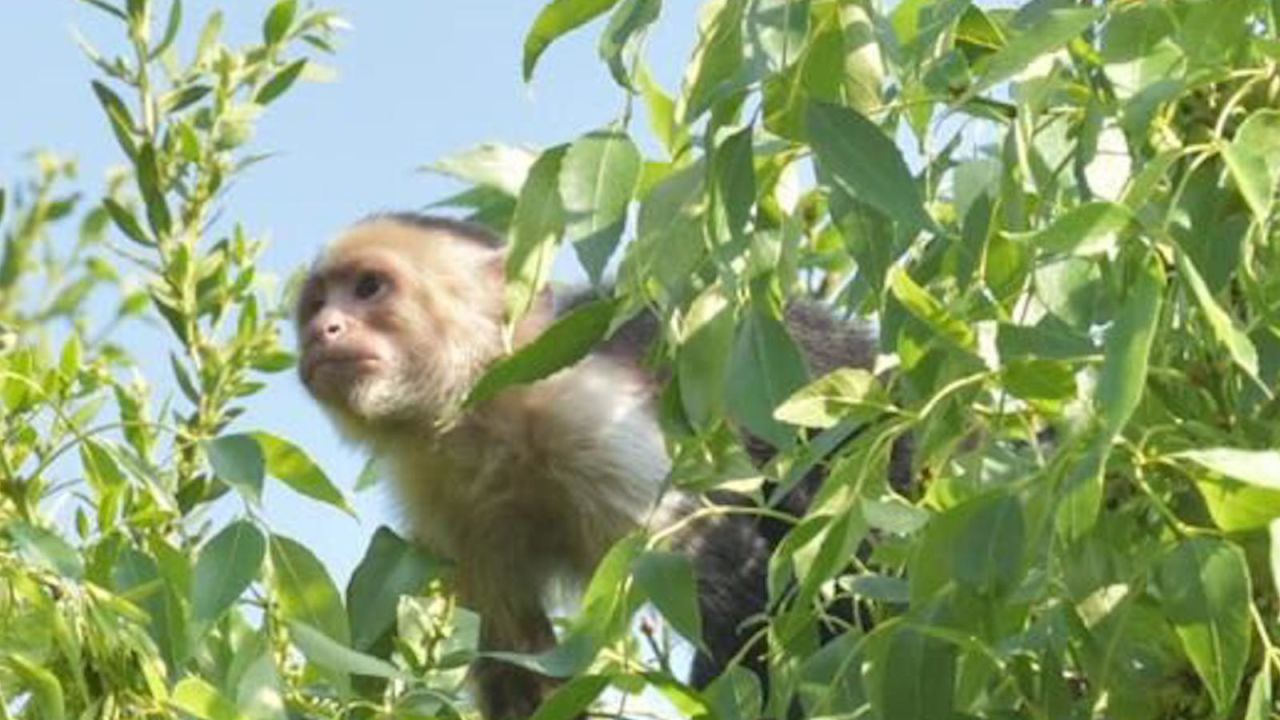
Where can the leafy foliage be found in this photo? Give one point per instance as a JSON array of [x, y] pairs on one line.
[[1057, 217]]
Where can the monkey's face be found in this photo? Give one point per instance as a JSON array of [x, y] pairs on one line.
[[395, 323]]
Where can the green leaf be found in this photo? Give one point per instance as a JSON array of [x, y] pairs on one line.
[[912, 675], [598, 177], [667, 580], [566, 342], [118, 117], [227, 565], [330, 654], [863, 162], [278, 21], [1089, 229], [1259, 705], [1034, 379], [197, 697], [558, 18], [629, 19], [237, 460], [716, 59], [45, 549], [765, 369], [1225, 329], [1256, 467], [1253, 158], [536, 229], [1205, 591], [127, 223], [304, 590], [171, 26], [572, 698], [107, 8], [926, 307], [1128, 349], [1236, 506], [661, 112], [499, 166], [280, 82], [844, 394], [989, 547], [148, 176], [734, 182], [1053, 30], [703, 358], [46, 691], [391, 567], [292, 466]]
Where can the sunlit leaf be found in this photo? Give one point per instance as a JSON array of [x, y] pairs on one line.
[[846, 393], [199, 698], [292, 466]]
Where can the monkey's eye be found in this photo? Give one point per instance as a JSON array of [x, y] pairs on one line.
[[369, 285]]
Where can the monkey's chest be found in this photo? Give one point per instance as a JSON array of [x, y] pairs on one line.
[[502, 510]]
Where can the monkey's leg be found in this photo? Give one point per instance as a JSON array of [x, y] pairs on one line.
[[731, 561], [512, 619]]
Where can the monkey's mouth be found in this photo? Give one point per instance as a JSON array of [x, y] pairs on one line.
[[338, 365]]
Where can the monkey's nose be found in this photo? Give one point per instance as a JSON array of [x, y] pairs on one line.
[[327, 326]]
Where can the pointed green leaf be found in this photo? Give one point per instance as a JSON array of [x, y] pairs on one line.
[[536, 230], [1089, 229], [626, 24], [237, 460], [227, 565], [566, 342], [391, 567], [304, 590], [332, 655], [863, 162], [716, 59], [292, 466], [500, 166], [1205, 591], [667, 580], [280, 82], [278, 21], [558, 18], [1053, 30], [598, 177], [1128, 349], [1225, 329], [765, 369], [195, 696], [1253, 158], [844, 394]]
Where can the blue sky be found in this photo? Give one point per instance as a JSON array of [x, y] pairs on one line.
[[416, 81]]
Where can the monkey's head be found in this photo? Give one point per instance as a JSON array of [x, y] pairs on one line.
[[398, 317]]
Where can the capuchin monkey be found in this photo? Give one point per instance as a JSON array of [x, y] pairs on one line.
[[399, 317]]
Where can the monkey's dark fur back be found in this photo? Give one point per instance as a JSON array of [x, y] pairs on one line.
[[731, 557]]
